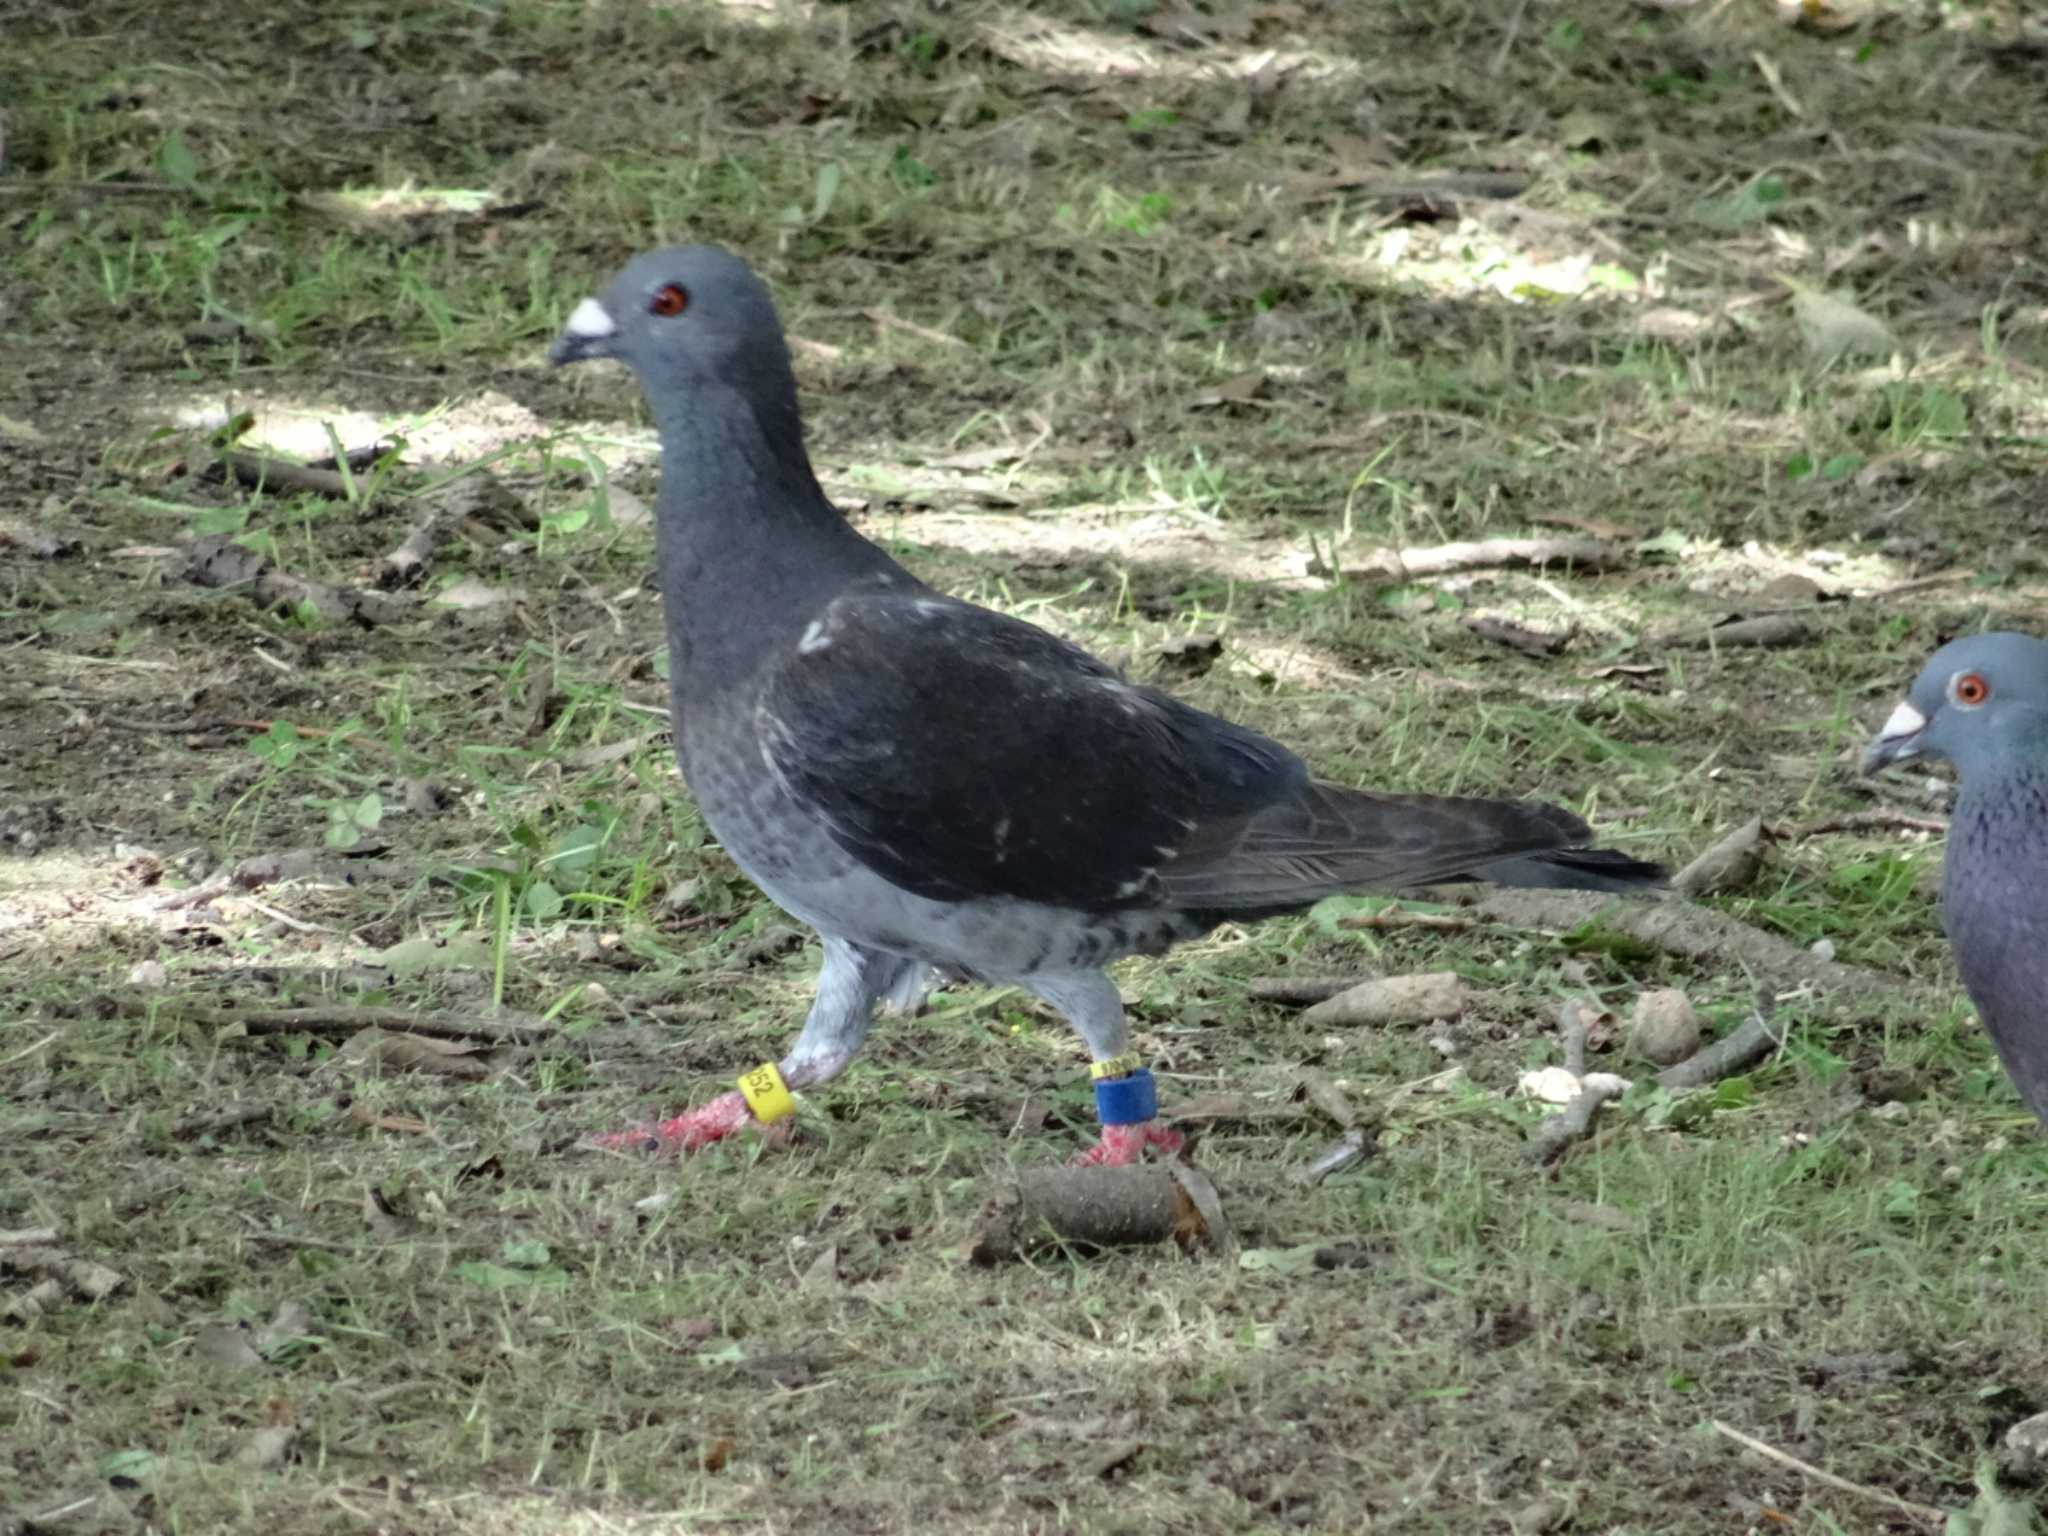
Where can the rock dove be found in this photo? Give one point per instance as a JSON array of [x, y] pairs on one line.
[[930, 784], [1981, 703]]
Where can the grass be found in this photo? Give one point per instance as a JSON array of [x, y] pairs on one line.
[[1164, 349]]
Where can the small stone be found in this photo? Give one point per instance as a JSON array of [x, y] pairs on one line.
[[1665, 1029], [2026, 1447]]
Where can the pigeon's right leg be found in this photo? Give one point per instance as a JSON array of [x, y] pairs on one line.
[[852, 981], [1125, 1099]]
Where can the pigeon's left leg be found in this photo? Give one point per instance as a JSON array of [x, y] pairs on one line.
[[852, 981], [1125, 1099]]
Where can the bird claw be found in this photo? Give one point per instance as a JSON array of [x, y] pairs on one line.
[[692, 1130], [1124, 1144]]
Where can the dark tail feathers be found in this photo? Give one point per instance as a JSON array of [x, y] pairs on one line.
[[1577, 869]]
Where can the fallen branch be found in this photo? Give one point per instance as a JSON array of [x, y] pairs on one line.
[[218, 561], [1842, 1484], [261, 471], [335, 1020], [407, 564], [1486, 554], [1883, 820], [1094, 1208], [1771, 629], [1755, 1039], [1299, 990], [1401, 917], [1520, 637], [1572, 1123], [1691, 933]]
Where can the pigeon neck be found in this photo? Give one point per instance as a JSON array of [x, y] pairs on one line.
[[747, 546]]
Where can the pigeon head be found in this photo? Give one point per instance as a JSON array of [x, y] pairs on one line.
[[1981, 703], [685, 319]]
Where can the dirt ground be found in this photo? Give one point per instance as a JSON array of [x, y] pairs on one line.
[[347, 883]]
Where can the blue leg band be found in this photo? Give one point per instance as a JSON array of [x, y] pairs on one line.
[[1127, 1100]]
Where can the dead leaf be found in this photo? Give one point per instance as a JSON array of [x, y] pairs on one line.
[[1638, 673], [467, 592], [290, 1323], [1834, 327], [1238, 389], [227, 1344], [1728, 865], [1789, 591], [821, 1276], [1417, 999], [374, 1052], [269, 1445], [1519, 637]]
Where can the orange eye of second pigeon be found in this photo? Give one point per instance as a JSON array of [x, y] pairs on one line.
[[671, 300], [1969, 689]]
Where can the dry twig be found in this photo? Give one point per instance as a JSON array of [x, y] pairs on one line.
[[1787, 1459], [1755, 1039]]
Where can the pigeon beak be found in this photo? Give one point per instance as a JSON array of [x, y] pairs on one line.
[[1897, 740], [590, 332]]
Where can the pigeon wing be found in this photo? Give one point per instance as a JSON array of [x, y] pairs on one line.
[[963, 754]]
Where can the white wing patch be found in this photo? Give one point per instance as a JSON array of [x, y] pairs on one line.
[[815, 638]]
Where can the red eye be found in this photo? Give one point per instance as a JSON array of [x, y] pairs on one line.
[[670, 300], [1969, 689]]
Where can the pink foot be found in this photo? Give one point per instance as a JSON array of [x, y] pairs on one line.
[[695, 1128], [1123, 1144]]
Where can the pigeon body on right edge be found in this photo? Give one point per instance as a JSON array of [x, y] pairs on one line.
[[932, 784], [1981, 703]]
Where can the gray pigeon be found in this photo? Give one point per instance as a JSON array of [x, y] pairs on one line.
[[1981, 703], [934, 785]]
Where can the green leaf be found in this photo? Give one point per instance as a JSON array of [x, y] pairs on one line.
[[525, 1253], [544, 901], [177, 164], [577, 849], [826, 189], [1285, 1262], [496, 1277], [228, 519], [136, 1466]]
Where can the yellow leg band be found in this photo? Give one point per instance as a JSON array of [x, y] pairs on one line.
[[1116, 1066], [767, 1095]]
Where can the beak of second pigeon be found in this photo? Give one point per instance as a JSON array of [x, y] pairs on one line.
[[1898, 740], [589, 332]]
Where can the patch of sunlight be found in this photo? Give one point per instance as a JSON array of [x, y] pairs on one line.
[[1048, 44], [60, 897], [1755, 569], [367, 206], [454, 432], [1473, 259], [1127, 533]]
